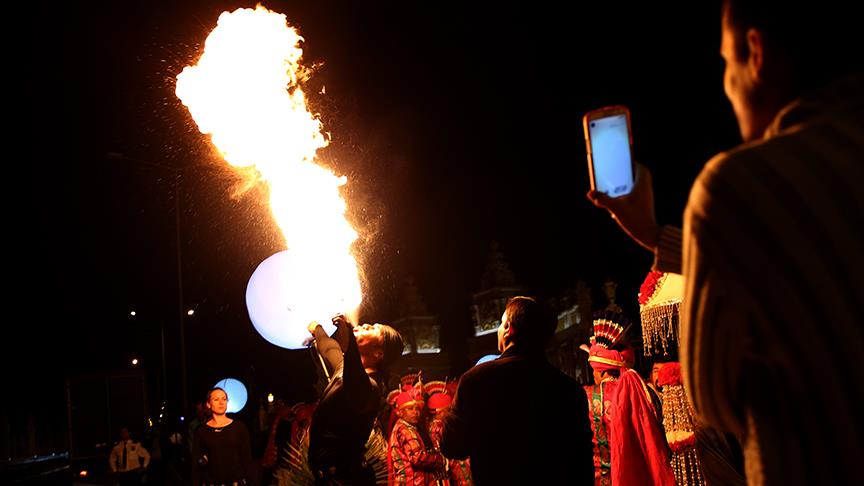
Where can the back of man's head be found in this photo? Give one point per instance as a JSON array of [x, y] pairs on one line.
[[391, 347], [531, 321], [819, 40]]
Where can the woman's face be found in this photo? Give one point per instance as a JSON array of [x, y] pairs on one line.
[[218, 402]]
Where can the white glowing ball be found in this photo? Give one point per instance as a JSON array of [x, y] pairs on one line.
[[488, 357], [284, 295], [236, 392]]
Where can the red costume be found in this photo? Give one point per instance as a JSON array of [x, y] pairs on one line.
[[680, 428], [629, 446], [300, 416], [409, 462], [457, 472]]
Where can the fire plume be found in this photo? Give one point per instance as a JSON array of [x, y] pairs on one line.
[[244, 92]]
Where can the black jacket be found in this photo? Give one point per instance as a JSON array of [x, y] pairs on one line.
[[521, 421]]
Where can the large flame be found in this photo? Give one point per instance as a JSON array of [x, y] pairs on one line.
[[244, 93]]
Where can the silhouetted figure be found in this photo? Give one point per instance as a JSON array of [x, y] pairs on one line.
[[771, 246], [521, 420]]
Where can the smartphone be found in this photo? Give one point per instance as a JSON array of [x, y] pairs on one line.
[[610, 150]]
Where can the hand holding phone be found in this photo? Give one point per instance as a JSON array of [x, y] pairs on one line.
[[610, 150]]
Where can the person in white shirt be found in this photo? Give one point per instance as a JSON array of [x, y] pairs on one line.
[[129, 459]]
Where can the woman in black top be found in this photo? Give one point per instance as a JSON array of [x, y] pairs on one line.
[[220, 447]]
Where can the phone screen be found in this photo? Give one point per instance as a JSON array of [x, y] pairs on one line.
[[610, 154]]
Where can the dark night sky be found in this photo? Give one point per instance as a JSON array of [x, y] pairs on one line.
[[457, 125]]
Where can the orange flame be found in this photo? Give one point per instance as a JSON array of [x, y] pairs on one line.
[[244, 93]]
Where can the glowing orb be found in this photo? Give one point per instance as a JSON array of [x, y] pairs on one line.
[[236, 392], [286, 293], [488, 357]]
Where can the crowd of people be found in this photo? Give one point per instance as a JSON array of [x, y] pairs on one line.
[[455, 432], [740, 406]]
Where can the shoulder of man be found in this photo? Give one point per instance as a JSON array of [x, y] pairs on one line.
[[733, 160], [745, 159], [569, 385], [472, 374], [478, 373], [733, 172]]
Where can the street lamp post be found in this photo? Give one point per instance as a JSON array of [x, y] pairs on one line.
[[183, 392], [180, 312], [164, 379]]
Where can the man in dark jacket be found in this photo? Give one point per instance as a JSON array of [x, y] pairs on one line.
[[519, 419]]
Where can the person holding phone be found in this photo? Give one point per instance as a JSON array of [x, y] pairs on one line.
[[771, 246]]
